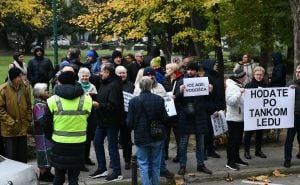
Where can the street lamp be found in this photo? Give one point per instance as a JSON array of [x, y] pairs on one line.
[[55, 32]]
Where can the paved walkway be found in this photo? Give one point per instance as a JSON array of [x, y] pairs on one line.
[[257, 166]]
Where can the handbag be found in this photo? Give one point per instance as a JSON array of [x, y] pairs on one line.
[[156, 126], [189, 109]]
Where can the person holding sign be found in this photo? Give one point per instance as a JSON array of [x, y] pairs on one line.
[[172, 77], [256, 82], [291, 132], [218, 103], [125, 131], [192, 120], [235, 118]]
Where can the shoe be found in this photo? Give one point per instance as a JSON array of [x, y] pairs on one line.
[[247, 155], [127, 165], [298, 155], [167, 174], [241, 163], [181, 170], [213, 155], [98, 174], [88, 161], [84, 169], [232, 166], [113, 178], [287, 164], [203, 169], [176, 159], [260, 154]]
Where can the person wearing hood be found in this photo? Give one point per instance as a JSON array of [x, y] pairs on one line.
[[256, 82], [235, 118], [217, 103], [110, 112], [173, 75], [19, 63], [15, 115], [40, 68], [192, 121], [65, 123], [278, 73], [291, 132]]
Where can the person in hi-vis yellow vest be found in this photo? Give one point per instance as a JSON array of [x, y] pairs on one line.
[[67, 113]]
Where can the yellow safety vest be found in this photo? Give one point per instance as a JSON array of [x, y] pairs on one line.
[[70, 118]]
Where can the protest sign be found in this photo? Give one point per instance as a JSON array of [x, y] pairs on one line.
[[127, 97], [219, 123], [269, 108], [195, 86], [170, 106]]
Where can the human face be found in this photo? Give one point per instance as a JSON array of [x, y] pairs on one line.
[[122, 74], [45, 95], [39, 52], [216, 67], [129, 59], [297, 73], [18, 80], [104, 74], [89, 59], [117, 60], [191, 73], [21, 58], [84, 78], [139, 58], [186, 61], [258, 76], [169, 71], [245, 59]]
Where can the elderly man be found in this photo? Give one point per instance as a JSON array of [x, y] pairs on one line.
[[15, 115], [134, 67], [288, 146]]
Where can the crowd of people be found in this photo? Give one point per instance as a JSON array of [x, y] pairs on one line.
[[108, 97]]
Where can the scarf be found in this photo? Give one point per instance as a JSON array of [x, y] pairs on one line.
[[85, 86]]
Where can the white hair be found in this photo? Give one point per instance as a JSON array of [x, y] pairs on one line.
[[84, 70], [39, 89], [120, 69]]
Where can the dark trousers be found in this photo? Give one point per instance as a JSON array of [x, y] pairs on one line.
[[209, 138], [89, 138], [291, 132], [235, 132], [2, 146], [125, 142], [16, 148], [59, 178], [172, 125], [258, 139]]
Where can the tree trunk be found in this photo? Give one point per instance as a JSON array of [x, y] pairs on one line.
[[295, 4]]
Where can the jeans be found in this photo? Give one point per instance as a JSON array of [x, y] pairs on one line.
[[291, 132], [59, 178], [112, 138], [149, 159], [235, 132], [184, 139]]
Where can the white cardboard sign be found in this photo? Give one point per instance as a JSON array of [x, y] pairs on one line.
[[195, 86]]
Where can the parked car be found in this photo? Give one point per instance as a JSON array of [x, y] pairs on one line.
[[61, 41], [139, 46], [17, 173]]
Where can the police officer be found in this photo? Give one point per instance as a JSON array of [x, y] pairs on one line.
[[67, 111]]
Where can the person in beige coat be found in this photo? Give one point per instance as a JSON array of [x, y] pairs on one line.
[[15, 115]]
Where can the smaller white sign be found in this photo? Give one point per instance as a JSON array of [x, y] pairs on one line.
[[219, 123], [170, 106], [127, 97], [195, 86], [176, 59]]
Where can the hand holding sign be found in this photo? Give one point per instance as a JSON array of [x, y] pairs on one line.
[[195, 86]]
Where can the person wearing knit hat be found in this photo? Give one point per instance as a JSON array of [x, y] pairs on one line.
[[149, 71], [193, 66], [16, 115], [235, 118], [67, 77], [155, 62]]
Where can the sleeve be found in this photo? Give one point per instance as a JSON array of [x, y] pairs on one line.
[[5, 118], [130, 115], [233, 95], [47, 123]]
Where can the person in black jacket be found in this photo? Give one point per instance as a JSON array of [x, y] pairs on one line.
[[110, 114], [278, 73], [125, 132], [144, 109], [40, 68], [256, 82], [217, 103]]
